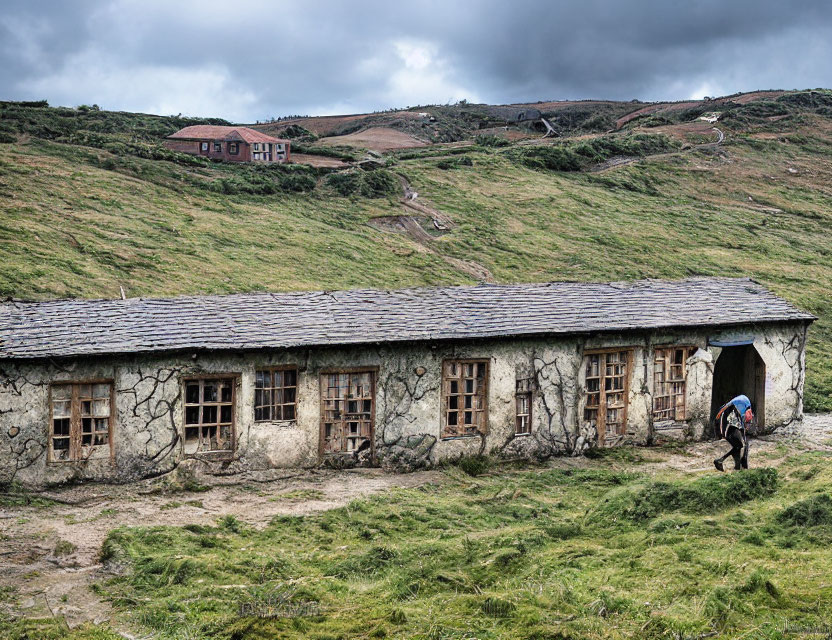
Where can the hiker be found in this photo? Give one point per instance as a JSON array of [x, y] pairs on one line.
[[731, 423]]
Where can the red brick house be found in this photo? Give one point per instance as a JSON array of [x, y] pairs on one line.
[[235, 144]]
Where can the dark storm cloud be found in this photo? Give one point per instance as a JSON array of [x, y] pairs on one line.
[[254, 59]]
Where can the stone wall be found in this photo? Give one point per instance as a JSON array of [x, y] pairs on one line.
[[149, 402]]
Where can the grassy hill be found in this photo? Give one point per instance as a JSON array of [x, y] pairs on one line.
[[91, 202]]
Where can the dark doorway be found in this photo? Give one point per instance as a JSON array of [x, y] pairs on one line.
[[740, 370]]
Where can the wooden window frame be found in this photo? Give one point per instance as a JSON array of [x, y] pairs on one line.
[[373, 371], [601, 407], [674, 411], [218, 147], [272, 406], [234, 379], [523, 389], [204, 147], [75, 428], [233, 148], [459, 430]]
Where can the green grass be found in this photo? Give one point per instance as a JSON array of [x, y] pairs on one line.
[[531, 552], [81, 221]]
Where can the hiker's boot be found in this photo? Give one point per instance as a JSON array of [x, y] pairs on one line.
[[718, 465]]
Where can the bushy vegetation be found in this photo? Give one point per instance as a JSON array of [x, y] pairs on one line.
[[267, 179], [474, 465], [811, 512], [40, 120], [348, 154], [581, 118], [490, 140], [455, 163], [706, 495], [378, 183], [577, 155]]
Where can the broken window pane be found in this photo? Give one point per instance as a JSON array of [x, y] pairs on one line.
[[81, 419], [192, 393], [209, 411], [350, 430]]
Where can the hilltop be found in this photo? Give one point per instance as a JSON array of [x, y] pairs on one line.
[[738, 185]]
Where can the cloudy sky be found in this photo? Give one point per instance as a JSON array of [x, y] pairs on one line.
[[254, 59]]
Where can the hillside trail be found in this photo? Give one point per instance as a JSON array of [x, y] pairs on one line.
[[46, 582], [620, 161], [409, 225]]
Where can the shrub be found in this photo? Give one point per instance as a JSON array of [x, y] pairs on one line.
[[811, 512], [704, 495], [345, 183], [490, 140], [454, 163], [340, 152], [63, 548], [557, 158], [296, 131], [370, 184], [474, 465], [497, 607], [573, 156]]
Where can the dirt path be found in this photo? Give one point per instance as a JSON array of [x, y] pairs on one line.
[[620, 161], [51, 583], [409, 225], [53, 578]]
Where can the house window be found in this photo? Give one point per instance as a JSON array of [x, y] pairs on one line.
[[670, 382], [204, 146], [464, 389], [209, 414], [82, 419], [218, 147], [275, 394], [257, 146], [255, 156], [347, 410], [607, 389], [523, 402], [233, 148]]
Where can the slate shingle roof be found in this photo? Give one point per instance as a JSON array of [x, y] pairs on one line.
[[264, 320], [216, 132]]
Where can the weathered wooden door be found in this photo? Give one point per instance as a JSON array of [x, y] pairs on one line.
[[347, 411]]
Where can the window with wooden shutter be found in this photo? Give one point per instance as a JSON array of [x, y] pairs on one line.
[[464, 398], [523, 406], [670, 383], [606, 394], [347, 410]]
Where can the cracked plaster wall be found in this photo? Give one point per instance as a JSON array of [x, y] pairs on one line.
[[149, 413]]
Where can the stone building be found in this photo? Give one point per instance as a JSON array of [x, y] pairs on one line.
[[233, 144], [123, 389]]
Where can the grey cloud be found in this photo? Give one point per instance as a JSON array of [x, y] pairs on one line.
[[301, 57]]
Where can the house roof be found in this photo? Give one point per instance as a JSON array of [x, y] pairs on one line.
[[214, 132], [63, 328]]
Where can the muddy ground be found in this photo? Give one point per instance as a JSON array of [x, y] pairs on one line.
[[50, 577]]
